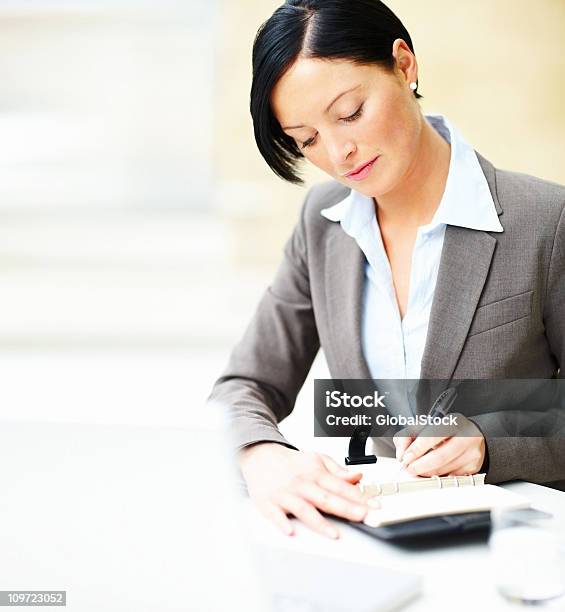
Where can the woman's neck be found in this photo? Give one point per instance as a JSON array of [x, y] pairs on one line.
[[415, 201]]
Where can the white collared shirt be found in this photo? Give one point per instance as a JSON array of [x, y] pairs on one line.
[[392, 347]]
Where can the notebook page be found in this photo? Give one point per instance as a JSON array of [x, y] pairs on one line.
[[421, 504], [386, 469]]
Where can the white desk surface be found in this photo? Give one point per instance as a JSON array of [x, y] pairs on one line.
[[447, 572]]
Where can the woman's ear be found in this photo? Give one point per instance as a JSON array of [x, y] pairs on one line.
[[405, 60]]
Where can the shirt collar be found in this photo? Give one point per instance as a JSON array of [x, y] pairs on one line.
[[466, 201]]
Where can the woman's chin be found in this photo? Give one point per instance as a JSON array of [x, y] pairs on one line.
[[372, 189]]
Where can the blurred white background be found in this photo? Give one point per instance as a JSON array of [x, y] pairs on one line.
[[106, 123], [138, 223]]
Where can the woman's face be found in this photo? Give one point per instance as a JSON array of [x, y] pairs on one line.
[[377, 117]]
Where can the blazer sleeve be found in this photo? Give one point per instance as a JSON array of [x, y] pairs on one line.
[[269, 364], [536, 459]]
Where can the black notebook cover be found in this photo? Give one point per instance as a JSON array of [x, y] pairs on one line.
[[431, 527]]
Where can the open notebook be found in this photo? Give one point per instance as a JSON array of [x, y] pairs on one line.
[[404, 497]]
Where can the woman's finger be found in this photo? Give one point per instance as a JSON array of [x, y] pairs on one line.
[[467, 463], [459, 467], [401, 443], [304, 511], [339, 470], [420, 446], [340, 487], [277, 516], [329, 502], [437, 462]]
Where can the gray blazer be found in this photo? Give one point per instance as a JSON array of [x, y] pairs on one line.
[[498, 312]]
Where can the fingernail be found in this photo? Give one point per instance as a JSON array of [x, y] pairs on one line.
[[374, 502], [408, 457], [343, 473], [332, 532]]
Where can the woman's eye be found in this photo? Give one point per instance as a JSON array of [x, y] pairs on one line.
[[355, 115], [308, 142]]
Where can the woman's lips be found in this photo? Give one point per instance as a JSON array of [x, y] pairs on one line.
[[364, 172]]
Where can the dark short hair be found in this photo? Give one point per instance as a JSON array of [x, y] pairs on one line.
[[361, 31]]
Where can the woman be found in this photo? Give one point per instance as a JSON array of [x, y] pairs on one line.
[[417, 240]]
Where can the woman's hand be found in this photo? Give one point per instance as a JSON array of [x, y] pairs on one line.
[[456, 455], [284, 481]]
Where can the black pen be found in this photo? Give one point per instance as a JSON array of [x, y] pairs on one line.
[[443, 403]]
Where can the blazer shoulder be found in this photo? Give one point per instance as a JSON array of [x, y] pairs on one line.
[[542, 197]]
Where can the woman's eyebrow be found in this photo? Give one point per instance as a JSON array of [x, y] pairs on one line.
[[295, 127]]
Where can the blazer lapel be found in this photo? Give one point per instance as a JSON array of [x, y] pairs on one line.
[[345, 275], [465, 262], [463, 269]]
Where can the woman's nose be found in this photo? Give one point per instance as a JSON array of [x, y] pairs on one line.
[[340, 152]]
